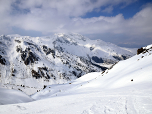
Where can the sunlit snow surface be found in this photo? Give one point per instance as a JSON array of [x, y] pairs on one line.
[[124, 89], [9, 96]]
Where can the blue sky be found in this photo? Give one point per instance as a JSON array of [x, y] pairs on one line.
[[126, 23], [128, 11]]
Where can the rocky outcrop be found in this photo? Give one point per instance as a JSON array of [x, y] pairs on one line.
[[28, 56], [2, 60], [140, 51], [48, 51]]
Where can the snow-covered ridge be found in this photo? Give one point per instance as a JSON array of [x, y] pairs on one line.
[[125, 88], [28, 63], [133, 71]]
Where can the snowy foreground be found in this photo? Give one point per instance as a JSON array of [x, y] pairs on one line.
[[124, 89], [8, 96]]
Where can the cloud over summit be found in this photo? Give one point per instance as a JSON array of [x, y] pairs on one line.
[[52, 16]]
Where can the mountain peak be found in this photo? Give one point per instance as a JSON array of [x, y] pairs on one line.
[[38, 61]]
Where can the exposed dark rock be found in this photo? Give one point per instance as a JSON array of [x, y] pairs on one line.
[[97, 60], [103, 72], [18, 49], [31, 58], [36, 74], [77, 72], [124, 57], [18, 41], [92, 70], [79, 75], [91, 48], [32, 45], [29, 43], [2, 60], [19, 89], [140, 51], [45, 48], [14, 71], [28, 57], [48, 51], [47, 76], [13, 74], [42, 72], [44, 86], [64, 76], [101, 67], [43, 68], [74, 73]]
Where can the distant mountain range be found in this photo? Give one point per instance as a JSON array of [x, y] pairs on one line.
[[29, 63]]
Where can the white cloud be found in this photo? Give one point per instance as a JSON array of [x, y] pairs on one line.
[[108, 9], [65, 16]]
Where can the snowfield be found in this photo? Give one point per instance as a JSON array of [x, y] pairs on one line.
[[10, 96], [123, 89]]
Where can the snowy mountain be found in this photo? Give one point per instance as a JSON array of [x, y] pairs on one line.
[[128, 73], [123, 89], [30, 63]]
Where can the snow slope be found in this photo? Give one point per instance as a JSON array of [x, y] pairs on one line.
[[28, 63], [9, 96], [123, 89]]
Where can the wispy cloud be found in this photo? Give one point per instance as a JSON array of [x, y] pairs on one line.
[[108, 9]]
